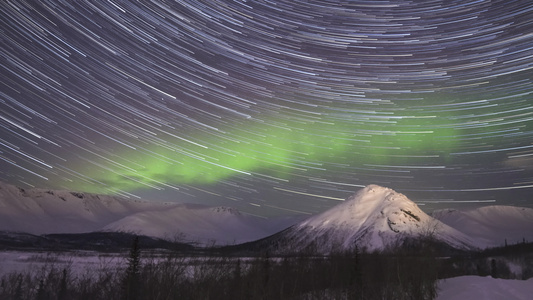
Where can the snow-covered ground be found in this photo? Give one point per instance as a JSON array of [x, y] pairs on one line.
[[85, 262], [485, 288], [77, 262], [91, 264]]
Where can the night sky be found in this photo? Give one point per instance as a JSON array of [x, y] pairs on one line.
[[273, 107]]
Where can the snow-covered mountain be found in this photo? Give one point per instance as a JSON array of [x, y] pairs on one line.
[[373, 218], [491, 226], [40, 211], [199, 223]]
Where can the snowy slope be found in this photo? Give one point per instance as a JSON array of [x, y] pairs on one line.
[[488, 288], [491, 226], [373, 218], [198, 223], [39, 211]]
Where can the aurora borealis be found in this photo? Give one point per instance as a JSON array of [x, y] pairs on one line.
[[270, 106]]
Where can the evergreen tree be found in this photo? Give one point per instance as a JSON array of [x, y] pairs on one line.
[[237, 272], [18, 288], [493, 268], [41, 293], [62, 294], [237, 281], [357, 280], [131, 277]]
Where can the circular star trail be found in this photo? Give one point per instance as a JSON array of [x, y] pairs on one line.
[[270, 106]]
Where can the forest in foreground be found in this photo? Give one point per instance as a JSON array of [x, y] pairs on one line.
[[399, 273]]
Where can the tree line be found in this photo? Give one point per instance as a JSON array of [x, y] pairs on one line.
[[401, 273]]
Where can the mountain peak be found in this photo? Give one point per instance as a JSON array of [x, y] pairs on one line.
[[365, 206], [375, 217]]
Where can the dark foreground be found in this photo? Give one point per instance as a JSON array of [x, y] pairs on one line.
[[393, 274]]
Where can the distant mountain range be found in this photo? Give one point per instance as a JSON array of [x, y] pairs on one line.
[[374, 218], [491, 226], [39, 211]]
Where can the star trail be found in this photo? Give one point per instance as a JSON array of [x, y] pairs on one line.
[[270, 106]]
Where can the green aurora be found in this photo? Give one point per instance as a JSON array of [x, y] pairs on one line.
[[276, 149]]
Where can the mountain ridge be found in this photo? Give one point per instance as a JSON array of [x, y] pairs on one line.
[[41, 211], [374, 218], [491, 226]]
